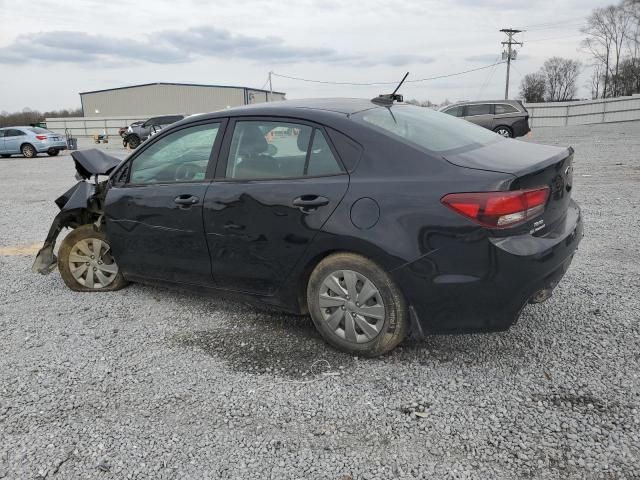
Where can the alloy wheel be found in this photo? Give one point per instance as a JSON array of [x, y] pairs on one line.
[[503, 132], [352, 306], [92, 264]]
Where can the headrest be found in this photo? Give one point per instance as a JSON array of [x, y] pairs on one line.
[[253, 141]]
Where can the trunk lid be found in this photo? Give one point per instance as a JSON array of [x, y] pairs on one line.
[[531, 166]]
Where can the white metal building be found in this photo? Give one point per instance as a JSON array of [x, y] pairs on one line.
[[169, 98]]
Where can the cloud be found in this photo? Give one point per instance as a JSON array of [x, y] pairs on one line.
[[179, 46]]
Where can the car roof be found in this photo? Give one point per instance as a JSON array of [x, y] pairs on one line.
[[476, 102], [18, 126], [296, 108]]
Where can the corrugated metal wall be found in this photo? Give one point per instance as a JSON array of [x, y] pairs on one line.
[[160, 99], [585, 112]]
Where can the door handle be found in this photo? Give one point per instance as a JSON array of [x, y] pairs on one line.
[[186, 200], [309, 203]]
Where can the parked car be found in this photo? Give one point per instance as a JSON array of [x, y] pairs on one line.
[[29, 141], [376, 218], [122, 131], [508, 118], [138, 132]]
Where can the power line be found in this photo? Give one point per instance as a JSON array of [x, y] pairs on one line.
[[488, 79], [554, 38], [363, 84], [561, 22]]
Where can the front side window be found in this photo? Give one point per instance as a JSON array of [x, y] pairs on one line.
[[182, 156], [426, 128], [479, 109], [271, 149]]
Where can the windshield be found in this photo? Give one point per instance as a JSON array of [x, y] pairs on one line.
[[426, 128], [39, 130]]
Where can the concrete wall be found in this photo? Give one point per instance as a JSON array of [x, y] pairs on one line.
[[585, 112], [87, 126]]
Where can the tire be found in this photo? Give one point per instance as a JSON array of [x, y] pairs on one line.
[[28, 150], [504, 131], [52, 152], [5, 155], [382, 333], [78, 247]]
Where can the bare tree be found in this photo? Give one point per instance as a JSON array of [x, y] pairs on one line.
[[28, 116], [532, 87], [610, 32], [561, 75]]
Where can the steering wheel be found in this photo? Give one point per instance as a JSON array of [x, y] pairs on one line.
[[188, 171]]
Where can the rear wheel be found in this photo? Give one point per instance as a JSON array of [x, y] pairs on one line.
[[28, 150], [503, 131], [52, 152], [86, 264], [356, 306]]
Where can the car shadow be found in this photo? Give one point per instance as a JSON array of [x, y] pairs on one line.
[[259, 340]]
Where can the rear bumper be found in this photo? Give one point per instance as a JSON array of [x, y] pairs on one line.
[[521, 127], [483, 284], [42, 147]]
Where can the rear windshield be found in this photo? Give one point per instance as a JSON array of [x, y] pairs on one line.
[[39, 130], [426, 128]]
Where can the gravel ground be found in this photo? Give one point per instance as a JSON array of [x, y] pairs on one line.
[[149, 383]]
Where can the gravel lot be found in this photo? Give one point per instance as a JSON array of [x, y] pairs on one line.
[[149, 383]]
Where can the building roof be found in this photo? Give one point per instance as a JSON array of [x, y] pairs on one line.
[[180, 85]]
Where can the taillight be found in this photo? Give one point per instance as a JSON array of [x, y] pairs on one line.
[[498, 209], [41, 137]]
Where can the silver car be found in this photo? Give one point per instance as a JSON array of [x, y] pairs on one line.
[[29, 141]]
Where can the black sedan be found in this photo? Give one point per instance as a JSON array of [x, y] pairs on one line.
[[376, 218]]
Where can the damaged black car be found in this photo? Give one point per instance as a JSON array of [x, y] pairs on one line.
[[377, 218]]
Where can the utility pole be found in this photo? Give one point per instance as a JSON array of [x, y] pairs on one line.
[[270, 89], [510, 32]]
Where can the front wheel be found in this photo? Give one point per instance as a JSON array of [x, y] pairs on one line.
[[86, 263], [356, 306], [28, 151]]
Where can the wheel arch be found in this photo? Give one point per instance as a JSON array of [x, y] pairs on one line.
[[299, 280], [28, 143]]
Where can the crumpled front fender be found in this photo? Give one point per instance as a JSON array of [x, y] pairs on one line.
[[75, 209]]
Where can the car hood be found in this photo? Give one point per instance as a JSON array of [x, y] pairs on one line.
[[94, 162], [509, 156]]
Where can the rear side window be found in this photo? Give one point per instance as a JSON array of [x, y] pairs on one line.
[[426, 128], [480, 109], [270, 150], [455, 111], [321, 159], [12, 132], [504, 108]]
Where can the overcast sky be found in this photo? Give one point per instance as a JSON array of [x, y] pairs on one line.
[[52, 49]]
